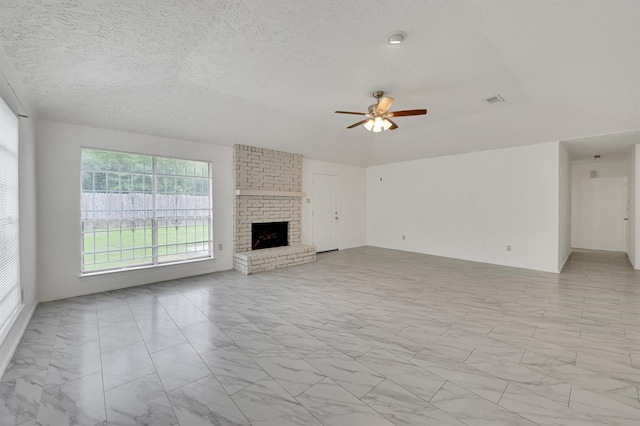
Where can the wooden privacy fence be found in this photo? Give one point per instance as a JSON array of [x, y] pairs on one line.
[[101, 206]]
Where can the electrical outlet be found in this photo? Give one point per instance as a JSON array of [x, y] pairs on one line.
[[509, 248], [220, 246]]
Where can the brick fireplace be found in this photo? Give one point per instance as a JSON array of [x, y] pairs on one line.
[[269, 234], [268, 190]]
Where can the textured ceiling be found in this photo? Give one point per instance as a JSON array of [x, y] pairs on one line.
[[270, 73]]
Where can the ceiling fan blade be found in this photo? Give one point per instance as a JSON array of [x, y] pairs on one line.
[[393, 125], [349, 112], [384, 105], [358, 123], [407, 113]]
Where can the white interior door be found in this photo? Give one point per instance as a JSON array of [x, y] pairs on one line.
[[326, 211], [602, 214]]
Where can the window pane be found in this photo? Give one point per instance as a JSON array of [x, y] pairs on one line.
[[183, 209], [120, 215]]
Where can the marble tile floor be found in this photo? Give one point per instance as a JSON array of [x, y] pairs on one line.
[[365, 336]]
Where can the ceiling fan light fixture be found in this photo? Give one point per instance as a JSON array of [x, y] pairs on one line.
[[378, 125], [369, 125]]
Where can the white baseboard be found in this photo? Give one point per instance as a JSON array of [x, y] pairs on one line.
[[11, 341]]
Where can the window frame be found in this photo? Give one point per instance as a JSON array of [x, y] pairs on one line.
[[11, 296], [156, 258]]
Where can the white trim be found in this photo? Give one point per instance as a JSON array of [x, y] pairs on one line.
[[6, 328], [12, 340], [137, 268]]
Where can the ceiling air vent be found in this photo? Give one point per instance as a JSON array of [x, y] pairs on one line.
[[493, 99]]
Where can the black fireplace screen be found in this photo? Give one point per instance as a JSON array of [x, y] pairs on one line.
[[272, 234]]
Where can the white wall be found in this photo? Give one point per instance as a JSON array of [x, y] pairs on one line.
[[634, 208], [604, 169], [353, 202], [471, 206], [581, 170], [27, 181], [637, 206], [564, 214], [58, 181]]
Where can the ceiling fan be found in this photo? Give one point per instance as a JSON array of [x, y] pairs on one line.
[[378, 117]]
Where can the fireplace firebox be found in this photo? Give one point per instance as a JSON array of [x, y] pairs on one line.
[[271, 234]]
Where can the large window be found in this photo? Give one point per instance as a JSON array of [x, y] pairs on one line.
[[10, 298], [140, 210]]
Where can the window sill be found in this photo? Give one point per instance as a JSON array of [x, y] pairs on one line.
[[142, 267]]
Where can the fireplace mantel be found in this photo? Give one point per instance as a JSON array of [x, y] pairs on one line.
[[262, 192]]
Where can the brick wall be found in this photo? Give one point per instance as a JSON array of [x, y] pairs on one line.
[[261, 209], [267, 170]]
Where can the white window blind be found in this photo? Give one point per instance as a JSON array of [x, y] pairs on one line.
[[10, 298]]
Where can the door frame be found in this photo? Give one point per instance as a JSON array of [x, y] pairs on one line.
[[626, 217], [623, 247], [337, 203]]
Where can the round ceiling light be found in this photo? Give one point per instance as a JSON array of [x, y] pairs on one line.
[[397, 37]]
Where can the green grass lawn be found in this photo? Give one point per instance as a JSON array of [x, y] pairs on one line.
[[126, 247]]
